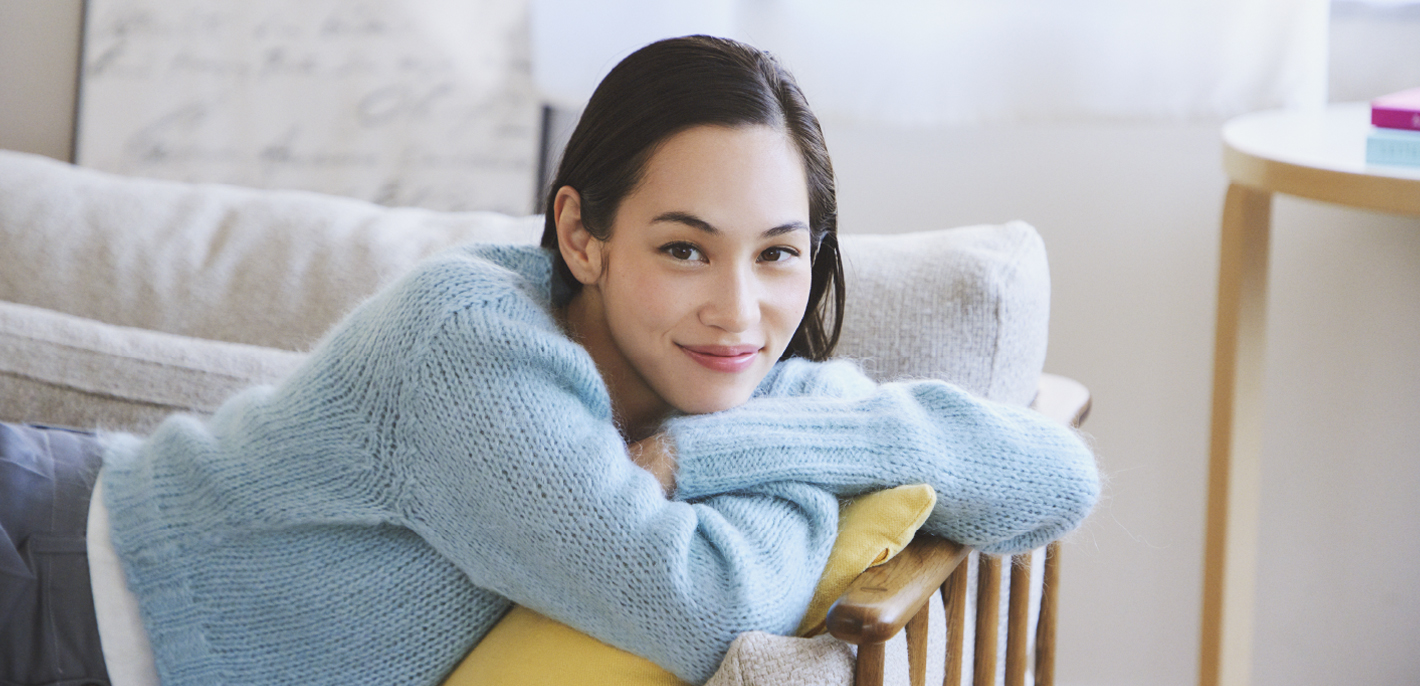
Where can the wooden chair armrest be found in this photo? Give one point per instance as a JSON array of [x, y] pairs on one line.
[[882, 599], [1063, 399]]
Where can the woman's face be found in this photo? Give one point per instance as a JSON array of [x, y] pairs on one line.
[[706, 273]]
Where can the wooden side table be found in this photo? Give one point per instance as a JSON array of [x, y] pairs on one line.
[[1317, 154]]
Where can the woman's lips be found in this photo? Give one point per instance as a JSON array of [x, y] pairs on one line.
[[723, 358]]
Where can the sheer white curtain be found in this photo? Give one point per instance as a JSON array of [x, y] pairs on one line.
[[959, 61]]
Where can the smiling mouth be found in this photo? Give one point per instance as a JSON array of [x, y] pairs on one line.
[[730, 359]]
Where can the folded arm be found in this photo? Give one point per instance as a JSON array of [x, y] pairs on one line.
[[1007, 478]]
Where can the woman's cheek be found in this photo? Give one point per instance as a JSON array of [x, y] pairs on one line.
[[793, 300]]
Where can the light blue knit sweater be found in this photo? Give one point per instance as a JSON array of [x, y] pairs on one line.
[[446, 451]]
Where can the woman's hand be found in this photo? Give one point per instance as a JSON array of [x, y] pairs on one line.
[[655, 455]]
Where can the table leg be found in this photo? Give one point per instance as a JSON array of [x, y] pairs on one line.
[[1230, 564]]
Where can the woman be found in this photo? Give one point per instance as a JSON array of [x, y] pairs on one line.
[[502, 425]]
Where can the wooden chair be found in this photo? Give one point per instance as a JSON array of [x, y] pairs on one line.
[[886, 599]]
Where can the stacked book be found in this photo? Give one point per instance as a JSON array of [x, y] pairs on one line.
[[1395, 132]]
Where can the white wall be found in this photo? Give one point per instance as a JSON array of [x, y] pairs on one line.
[[1130, 215], [39, 60]]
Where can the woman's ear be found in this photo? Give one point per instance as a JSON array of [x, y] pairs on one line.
[[580, 249]]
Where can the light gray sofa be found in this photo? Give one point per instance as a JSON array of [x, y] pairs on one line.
[[123, 300]]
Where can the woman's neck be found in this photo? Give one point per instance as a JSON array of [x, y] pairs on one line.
[[637, 409]]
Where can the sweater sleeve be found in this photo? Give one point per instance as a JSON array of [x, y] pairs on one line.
[[512, 468], [1007, 478]]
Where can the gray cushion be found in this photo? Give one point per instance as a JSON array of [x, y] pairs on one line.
[[968, 305], [60, 369], [272, 268]]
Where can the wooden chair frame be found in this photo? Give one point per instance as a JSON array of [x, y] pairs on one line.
[[892, 597]]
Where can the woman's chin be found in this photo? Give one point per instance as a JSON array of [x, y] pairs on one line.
[[707, 403], [698, 391]]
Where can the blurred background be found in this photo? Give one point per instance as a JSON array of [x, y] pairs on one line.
[[1096, 121]]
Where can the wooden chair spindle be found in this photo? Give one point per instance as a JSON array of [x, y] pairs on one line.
[[954, 605], [988, 606], [1018, 620], [917, 646], [1045, 625], [869, 671]]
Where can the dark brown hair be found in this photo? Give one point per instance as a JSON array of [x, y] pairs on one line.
[[676, 84]]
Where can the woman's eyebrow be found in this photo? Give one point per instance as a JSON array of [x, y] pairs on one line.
[[702, 225], [786, 228]]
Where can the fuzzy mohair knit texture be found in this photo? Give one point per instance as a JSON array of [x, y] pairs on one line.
[[447, 451]]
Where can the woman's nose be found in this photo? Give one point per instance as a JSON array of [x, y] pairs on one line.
[[733, 303]]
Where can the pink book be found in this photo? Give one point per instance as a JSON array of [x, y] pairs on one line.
[[1397, 110]]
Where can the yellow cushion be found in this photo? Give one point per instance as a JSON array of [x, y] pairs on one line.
[[526, 648], [871, 530]]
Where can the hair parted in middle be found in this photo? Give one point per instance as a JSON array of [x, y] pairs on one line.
[[673, 85]]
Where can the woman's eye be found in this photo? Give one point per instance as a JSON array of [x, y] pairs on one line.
[[778, 254], [682, 251]]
